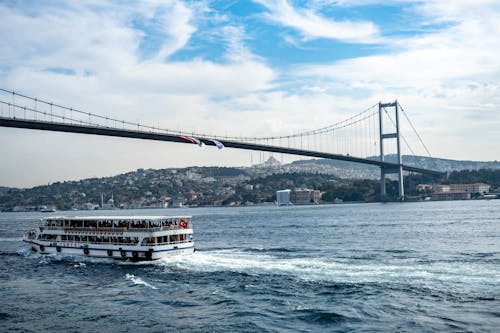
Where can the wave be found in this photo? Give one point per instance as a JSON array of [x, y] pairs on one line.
[[138, 281], [80, 265], [320, 316], [11, 239], [272, 250], [27, 253]]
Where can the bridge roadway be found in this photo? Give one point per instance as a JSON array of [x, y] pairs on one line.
[[125, 133]]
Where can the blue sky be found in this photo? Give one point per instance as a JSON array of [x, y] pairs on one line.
[[282, 66]]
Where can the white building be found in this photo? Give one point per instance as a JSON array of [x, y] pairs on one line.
[[469, 188], [283, 197]]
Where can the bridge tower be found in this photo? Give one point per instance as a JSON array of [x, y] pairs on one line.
[[386, 107]]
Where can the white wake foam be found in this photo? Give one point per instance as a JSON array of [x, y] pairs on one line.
[[138, 281], [327, 269]]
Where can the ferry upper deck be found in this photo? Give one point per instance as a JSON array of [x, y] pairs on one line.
[[122, 223]]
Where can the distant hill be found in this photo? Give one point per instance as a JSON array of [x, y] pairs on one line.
[[442, 164], [432, 163]]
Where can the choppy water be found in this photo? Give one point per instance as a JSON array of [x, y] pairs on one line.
[[369, 267]]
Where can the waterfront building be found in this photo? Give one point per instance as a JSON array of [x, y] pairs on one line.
[[474, 188], [441, 188], [283, 197], [305, 196], [450, 195], [471, 188]]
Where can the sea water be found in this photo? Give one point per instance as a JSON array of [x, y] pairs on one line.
[[404, 267]]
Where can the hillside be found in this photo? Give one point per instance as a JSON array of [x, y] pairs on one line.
[[438, 164], [201, 186]]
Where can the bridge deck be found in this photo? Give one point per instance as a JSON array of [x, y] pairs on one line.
[[109, 131]]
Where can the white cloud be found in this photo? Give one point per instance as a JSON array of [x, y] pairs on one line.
[[312, 25], [64, 37], [174, 20]]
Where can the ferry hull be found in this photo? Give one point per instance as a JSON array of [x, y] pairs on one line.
[[120, 253]]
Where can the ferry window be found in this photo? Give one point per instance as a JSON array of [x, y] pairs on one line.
[[174, 238], [64, 237], [181, 237], [77, 238], [90, 224]]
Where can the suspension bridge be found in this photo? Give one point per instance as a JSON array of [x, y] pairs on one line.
[[359, 138]]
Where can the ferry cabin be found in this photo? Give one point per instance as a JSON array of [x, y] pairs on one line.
[[136, 238]]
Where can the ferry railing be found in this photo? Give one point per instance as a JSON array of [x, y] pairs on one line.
[[114, 229], [121, 243], [169, 243], [99, 243]]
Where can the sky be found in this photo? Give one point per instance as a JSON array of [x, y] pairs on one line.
[[254, 68]]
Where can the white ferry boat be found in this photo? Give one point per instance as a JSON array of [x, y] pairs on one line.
[[120, 237]]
